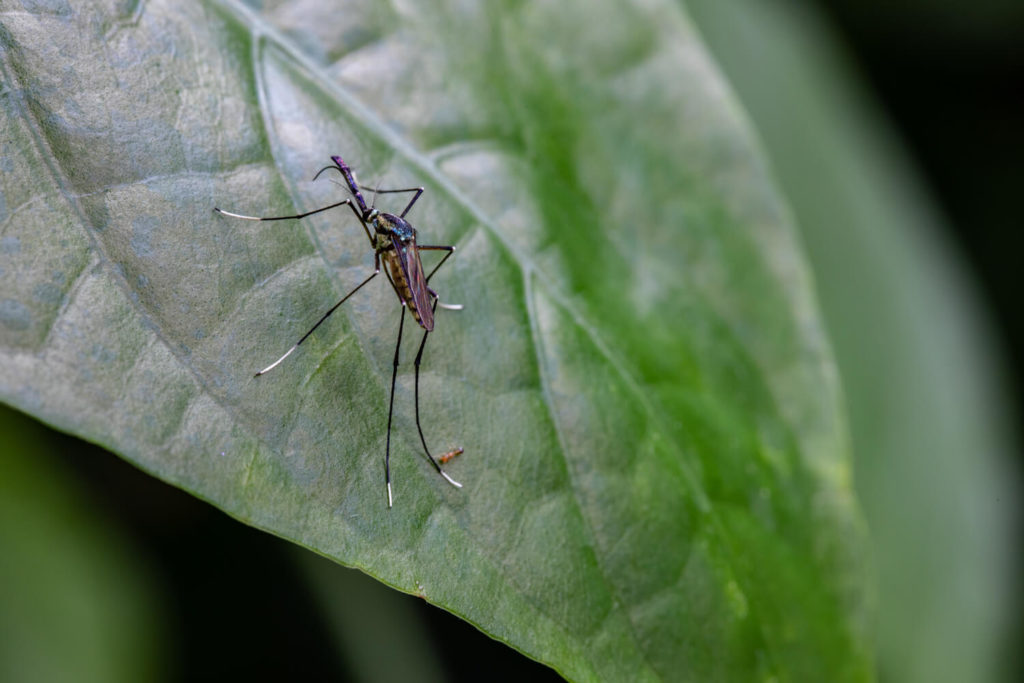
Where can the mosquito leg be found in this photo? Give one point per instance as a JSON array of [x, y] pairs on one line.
[[391, 408], [419, 358], [302, 215], [283, 218], [376, 270], [450, 250], [441, 304], [417, 190]]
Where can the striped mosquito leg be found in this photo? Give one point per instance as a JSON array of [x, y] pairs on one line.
[[376, 270], [347, 202], [419, 358], [283, 218], [391, 407]]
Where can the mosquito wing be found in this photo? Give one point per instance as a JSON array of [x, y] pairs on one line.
[[408, 257]]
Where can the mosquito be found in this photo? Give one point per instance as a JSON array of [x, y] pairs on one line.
[[393, 240]]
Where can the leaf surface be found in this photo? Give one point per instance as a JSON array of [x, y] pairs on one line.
[[656, 474]]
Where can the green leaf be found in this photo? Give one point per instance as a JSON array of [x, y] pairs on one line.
[[657, 480]]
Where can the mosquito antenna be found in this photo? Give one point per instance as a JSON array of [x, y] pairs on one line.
[[326, 168], [373, 204]]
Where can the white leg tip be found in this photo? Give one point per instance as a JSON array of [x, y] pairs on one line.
[[237, 215], [276, 362], [450, 480], [389, 495]]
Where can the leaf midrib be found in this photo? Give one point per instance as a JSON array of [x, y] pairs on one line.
[[262, 31]]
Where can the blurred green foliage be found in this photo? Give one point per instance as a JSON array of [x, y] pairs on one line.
[[76, 603], [924, 380]]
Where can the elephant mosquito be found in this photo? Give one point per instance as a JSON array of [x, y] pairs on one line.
[[393, 239]]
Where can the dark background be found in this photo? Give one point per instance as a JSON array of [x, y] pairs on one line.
[[950, 79], [949, 74]]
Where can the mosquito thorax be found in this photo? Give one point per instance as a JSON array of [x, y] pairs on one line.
[[389, 225]]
